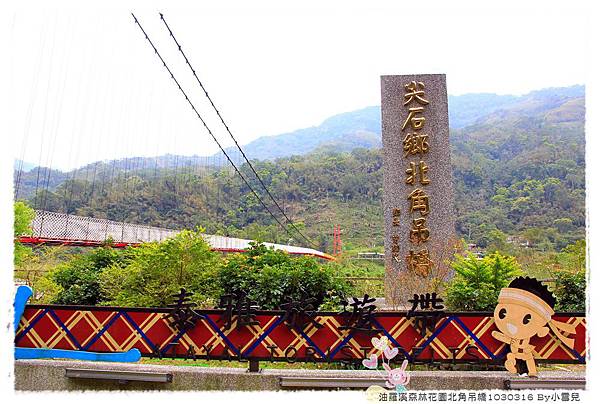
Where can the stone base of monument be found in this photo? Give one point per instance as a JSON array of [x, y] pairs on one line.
[[383, 305], [42, 375]]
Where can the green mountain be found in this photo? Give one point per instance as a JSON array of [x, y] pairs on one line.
[[519, 174]]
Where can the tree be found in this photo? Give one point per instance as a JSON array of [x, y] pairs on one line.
[[156, 271], [572, 257], [570, 278], [503, 269], [477, 282], [497, 241], [269, 277], [24, 215], [570, 291], [78, 279]]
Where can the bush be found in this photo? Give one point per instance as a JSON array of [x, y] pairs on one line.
[[78, 280], [570, 291], [477, 282], [570, 278], [24, 215], [157, 271], [269, 277]]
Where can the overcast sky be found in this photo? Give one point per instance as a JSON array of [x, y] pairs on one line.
[[85, 85]]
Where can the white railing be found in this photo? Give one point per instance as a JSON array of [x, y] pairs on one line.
[[70, 227], [62, 226]]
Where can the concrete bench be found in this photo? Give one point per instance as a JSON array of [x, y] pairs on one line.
[[549, 384], [299, 383], [119, 375]]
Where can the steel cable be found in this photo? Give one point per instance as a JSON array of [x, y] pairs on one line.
[[206, 126], [231, 135]]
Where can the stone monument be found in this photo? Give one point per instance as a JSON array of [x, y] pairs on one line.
[[418, 199]]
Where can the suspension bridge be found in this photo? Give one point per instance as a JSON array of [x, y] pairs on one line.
[[52, 229], [69, 228]]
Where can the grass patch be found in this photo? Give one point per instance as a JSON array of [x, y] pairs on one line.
[[237, 364]]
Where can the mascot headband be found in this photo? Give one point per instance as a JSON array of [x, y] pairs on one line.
[[539, 306]]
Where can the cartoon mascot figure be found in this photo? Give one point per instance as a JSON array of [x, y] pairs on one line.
[[525, 309]]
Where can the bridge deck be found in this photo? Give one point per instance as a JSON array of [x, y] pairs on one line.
[[53, 228]]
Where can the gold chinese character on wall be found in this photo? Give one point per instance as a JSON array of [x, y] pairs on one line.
[[419, 262], [415, 91], [396, 217], [414, 143], [419, 200], [413, 172], [396, 248], [416, 121], [419, 233]]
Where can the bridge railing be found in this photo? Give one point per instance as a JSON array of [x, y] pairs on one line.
[[61, 228], [53, 225]]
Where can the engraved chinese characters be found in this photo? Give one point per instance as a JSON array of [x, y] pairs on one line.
[[418, 201], [416, 144]]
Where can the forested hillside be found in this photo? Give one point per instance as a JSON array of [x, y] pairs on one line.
[[523, 173], [519, 175]]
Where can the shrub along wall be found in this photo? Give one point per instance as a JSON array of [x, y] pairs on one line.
[[149, 276]]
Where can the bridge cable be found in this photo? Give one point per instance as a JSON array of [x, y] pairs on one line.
[[30, 108], [43, 129], [229, 131], [74, 146], [56, 123], [206, 126]]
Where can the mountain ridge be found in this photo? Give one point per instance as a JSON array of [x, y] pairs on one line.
[[464, 110], [362, 127]]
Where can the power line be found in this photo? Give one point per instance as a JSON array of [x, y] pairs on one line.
[[206, 126], [229, 131]]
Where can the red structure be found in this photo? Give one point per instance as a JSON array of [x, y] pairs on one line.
[[337, 240], [455, 337]]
